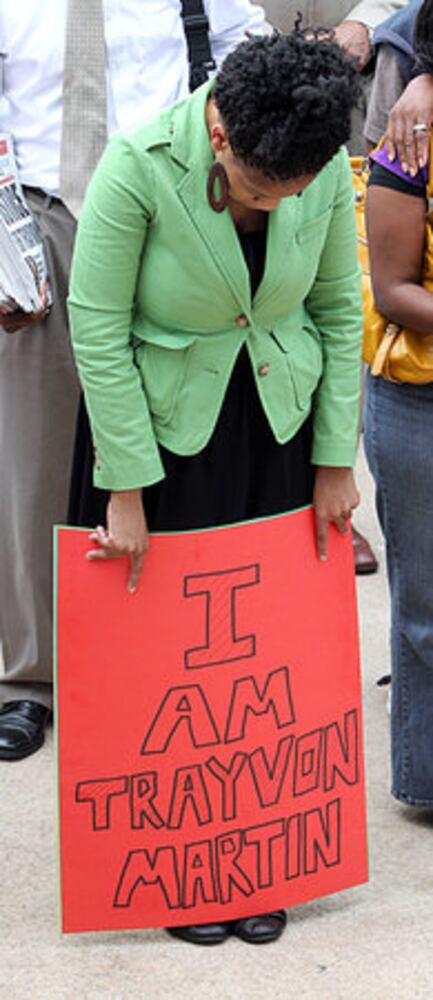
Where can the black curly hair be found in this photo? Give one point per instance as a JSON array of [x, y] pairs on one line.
[[423, 38], [286, 102]]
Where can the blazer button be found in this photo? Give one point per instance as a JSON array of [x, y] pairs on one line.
[[242, 321], [264, 369]]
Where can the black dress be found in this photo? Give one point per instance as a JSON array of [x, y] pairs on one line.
[[241, 474]]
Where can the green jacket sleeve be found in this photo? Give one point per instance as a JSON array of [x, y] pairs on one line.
[[335, 305], [111, 237]]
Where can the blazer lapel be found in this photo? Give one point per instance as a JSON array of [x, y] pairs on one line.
[[281, 232], [190, 147], [217, 233]]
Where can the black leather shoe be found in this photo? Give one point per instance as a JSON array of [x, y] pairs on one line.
[[261, 929], [22, 728], [201, 933]]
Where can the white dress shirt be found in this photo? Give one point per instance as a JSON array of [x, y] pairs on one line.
[[147, 68]]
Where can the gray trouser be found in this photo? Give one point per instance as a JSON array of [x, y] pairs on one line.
[[38, 404]]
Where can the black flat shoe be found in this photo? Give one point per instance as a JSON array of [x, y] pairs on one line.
[[262, 929], [22, 728], [201, 933]]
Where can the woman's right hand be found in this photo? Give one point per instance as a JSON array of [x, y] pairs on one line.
[[126, 534]]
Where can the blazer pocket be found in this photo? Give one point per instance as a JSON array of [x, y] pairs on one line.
[[303, 353], [163, 372], [314, 229]]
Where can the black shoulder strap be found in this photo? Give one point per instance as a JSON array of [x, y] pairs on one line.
[[196, 25]]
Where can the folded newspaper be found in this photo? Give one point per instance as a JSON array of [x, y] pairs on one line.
[[24, 280]]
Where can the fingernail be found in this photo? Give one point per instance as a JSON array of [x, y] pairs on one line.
[[322, 558], [413, 171], [131, 589], [405, 168]]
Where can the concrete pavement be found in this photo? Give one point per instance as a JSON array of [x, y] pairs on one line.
[[370, 943]]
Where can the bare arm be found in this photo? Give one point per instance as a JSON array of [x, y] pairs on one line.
[[396, 232]]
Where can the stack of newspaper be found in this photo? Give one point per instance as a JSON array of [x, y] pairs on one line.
[[24, 281]]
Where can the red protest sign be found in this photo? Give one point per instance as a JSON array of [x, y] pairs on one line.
[[209, 727]]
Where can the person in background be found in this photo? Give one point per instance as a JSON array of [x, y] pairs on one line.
[[119, 67], [353, 27], [393, 46], [398, 424], [402, 95], [216, 317]]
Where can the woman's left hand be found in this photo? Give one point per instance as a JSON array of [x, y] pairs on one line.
[[335, 497]]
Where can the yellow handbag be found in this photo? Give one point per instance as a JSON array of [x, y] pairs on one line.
[[392, 351]]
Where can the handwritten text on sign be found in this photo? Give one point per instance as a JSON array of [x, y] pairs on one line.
[[237, 729]]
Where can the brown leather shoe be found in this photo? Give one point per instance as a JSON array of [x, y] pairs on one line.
[[365, 559]]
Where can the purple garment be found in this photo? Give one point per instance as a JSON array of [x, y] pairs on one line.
[[421, 178]]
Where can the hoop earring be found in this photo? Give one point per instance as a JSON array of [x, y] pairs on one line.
[[217, 174]]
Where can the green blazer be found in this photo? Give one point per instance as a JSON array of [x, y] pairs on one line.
[[160, 304]]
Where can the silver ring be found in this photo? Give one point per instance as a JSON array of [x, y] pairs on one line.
[[420, 127]]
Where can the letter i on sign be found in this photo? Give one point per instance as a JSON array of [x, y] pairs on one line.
[[222, 643]]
